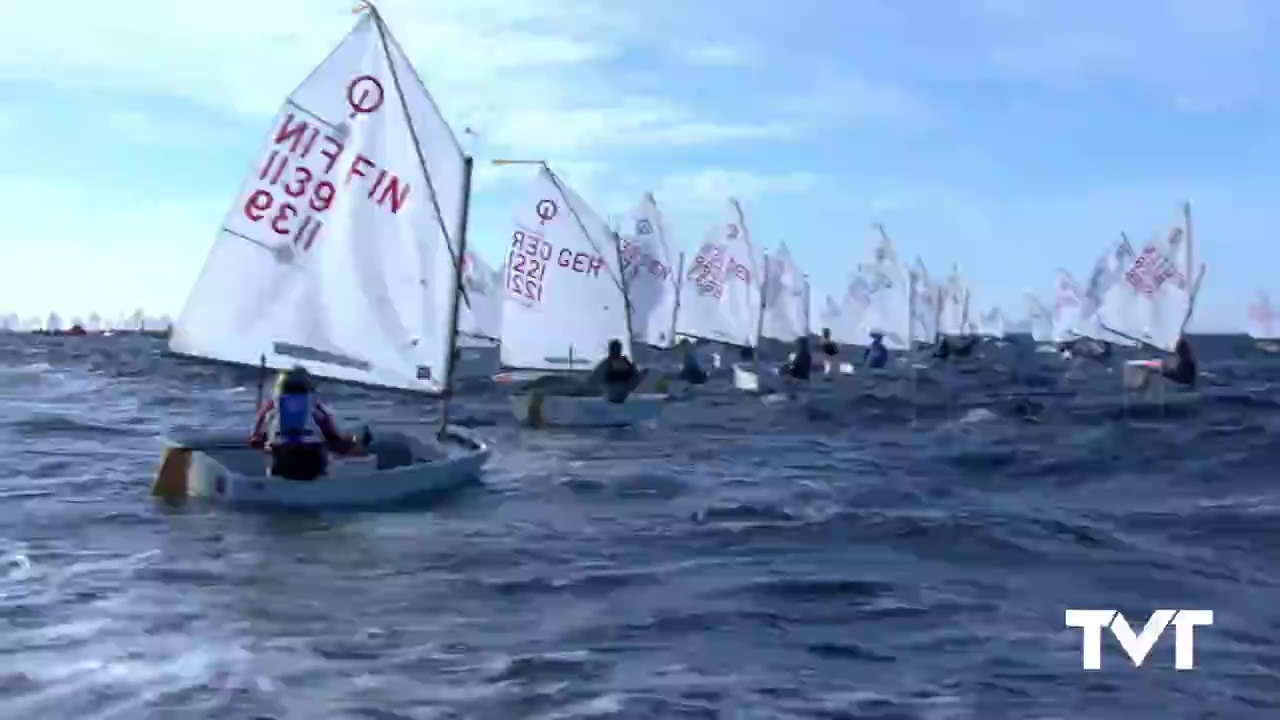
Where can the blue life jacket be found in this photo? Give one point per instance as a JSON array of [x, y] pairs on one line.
[[294, 422], [877, 355]]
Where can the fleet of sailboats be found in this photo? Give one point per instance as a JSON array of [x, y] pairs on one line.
[[373, 284]]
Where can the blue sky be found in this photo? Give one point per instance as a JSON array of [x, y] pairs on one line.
[[1009, 136]]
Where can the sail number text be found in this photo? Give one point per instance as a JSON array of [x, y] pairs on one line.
[[298, 185], [634, 258], [529, 257], [1150, 270], [711, 268]]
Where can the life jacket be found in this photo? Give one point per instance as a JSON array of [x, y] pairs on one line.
[[877, 355], [829, 347], [617, 370], [294, 421], [801, 365]]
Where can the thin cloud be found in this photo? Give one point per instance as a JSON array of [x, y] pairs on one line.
[[708, 186], [716, 55], [532, 76]]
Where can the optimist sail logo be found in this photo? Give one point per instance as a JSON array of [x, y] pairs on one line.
[[1138, 645]]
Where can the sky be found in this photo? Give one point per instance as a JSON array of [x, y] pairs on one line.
[[1010, 137]]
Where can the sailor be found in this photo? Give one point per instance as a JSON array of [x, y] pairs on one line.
[[1097, 351], [690, 368], [829, 347], [618, 375], [802, 364], [966, 348], [298, 431], [1181, 366], [943, 350], [876, 354]]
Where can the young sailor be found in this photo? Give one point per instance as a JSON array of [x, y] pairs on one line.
[[943, 349], [876, 354], [1181, 366], [802, 364], [965, 348], [1098, 351], [297, 430], [690, 369], [829, 347], [617, 374]]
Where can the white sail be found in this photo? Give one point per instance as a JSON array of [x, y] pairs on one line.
[[1039, 317], [829, 316], [719, 299], [336, 255], [652, 274], [481, 318], [786, 298], [991, 324], [955, 306], [1153, 302], [1262, 319], [926, 310], [1107, 270], [1067, 303], [564, 301], [889, 297]]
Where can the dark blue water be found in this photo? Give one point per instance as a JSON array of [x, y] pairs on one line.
[[737, 560]]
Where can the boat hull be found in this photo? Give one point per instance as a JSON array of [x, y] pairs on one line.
[[830, 368], [747, 379], [399, 467], [569, 411]]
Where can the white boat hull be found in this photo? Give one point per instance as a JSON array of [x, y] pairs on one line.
[[830, 368], [592, 411], [399, 467], [747, 379]]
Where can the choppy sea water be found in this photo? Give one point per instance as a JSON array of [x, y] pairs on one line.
[[735, 560]]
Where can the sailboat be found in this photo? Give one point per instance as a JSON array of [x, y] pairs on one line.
[[783, 316], [653, 278], [338, 257], [1154, 302], [832, 319], [652, 274], [720, 296], [480, 321], [991, 325], [564, 302], [1040, 319], [1262, 324]]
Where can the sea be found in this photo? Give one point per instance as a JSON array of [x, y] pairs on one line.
[[869, 557]]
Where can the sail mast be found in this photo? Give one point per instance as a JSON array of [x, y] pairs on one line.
[[622, 279], [675, 307], [384, 35], [455, 308], [458, 290], [760, 316]]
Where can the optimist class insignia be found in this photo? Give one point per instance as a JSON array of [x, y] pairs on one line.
[[364, 95], [546, 210]]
